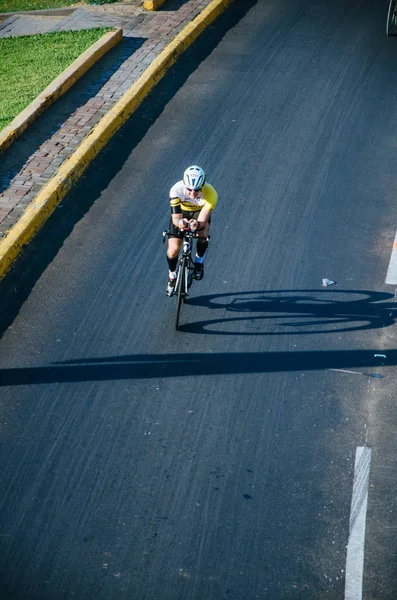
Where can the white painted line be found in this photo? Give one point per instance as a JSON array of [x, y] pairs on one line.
[[358, 512], [391, 277]]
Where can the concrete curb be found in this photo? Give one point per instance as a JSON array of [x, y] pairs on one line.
[[58, 87], [52, 193]]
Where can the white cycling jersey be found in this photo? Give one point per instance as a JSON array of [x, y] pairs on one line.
[[179, 197]]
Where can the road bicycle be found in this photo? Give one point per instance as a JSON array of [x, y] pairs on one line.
[[391, 21], [185, 269]]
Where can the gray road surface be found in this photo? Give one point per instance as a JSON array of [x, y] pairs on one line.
[[215, 462]]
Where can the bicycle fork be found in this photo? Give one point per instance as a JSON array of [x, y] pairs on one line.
[[185, 264]]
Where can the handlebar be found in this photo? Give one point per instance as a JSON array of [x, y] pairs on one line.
[[186, 232]]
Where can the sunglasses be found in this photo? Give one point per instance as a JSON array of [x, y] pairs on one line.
[[192, 190]]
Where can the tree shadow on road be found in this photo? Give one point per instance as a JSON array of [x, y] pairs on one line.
[[154, 366]]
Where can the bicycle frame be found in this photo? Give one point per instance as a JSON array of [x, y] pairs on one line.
[[185, 263], [185, 269]]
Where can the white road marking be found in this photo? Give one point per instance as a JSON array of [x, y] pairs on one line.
[[347, 371], [391, 277], [358, 512]]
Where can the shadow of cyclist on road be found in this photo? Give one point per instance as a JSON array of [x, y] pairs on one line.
[[282, 312]]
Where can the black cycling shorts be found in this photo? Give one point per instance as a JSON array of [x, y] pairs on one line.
[[175, 231]]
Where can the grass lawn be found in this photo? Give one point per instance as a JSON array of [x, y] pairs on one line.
[[20, 5], [29, 63]]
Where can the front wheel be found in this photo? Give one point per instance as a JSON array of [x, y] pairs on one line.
[[181, 289], [391, 20], [189, 274]]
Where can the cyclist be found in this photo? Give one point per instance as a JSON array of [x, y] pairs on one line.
[[192, 201]]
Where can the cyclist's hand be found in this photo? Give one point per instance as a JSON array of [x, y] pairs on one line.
[[183, 223], [193, 224]]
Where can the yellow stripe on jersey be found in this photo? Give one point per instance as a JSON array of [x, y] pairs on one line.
[[187, 206]]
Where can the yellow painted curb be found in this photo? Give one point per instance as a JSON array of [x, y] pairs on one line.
[[58, 87], [52, 193], [152, 4]]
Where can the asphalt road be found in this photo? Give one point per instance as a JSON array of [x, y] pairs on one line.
[[218, 461]]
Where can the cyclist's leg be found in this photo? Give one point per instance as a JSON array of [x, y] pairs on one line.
[[173, 247], [201, 249], [202, 242]]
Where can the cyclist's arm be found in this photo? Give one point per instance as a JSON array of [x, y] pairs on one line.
[[204, 215], [176, 212], [211, 198], [176, 218]]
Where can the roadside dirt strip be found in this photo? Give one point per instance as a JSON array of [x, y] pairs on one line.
[[38, 211], [58, 87]]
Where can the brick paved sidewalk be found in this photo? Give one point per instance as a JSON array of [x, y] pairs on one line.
[[34, 159]]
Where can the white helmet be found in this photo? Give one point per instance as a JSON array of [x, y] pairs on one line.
[[194, 178]]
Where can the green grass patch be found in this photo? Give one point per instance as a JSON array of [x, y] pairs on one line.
[[29, 63], [21, 5]]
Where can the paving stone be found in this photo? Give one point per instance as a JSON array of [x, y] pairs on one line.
[[29, 25]]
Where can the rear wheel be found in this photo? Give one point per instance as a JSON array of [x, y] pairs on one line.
[[181, 289], [391, 20]]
